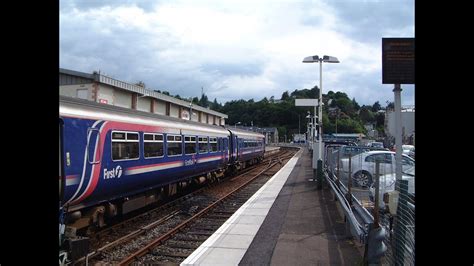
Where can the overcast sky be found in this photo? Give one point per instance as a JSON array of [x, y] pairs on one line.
[[240, 49]]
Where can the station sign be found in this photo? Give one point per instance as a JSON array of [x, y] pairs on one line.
[[398, 60], [306, 102]]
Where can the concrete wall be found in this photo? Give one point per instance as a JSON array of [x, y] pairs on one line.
[[408, 123], [195, 117], [105, 94], [174, 110], [123, 98], [143, 104], [160, 107], [210, 119], [72, 90]]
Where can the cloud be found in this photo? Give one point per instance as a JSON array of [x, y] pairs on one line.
[[234, 49]]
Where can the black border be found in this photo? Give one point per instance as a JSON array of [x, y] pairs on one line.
[[30, 108]]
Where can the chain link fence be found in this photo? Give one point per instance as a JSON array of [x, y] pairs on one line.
[[354, 167]]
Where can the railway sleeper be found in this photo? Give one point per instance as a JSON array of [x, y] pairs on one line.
[[182, 246], [185, 237], [200, 233], [184, 243], [169, 255], [217, 217]]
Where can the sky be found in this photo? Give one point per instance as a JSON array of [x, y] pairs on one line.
[[237, 49]]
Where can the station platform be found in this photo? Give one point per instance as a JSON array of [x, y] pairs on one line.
[[287, 222]]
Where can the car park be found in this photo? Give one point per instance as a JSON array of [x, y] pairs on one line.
[[387, 184], [376, 144], [409, 150], [363, 166]]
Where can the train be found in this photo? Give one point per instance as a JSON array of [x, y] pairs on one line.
[[114, 160]]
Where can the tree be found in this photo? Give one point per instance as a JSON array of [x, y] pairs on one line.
[[355, 104], [215, 106], [376, 107], [366, 115], [285, 96], [204, 102], [390, 105]]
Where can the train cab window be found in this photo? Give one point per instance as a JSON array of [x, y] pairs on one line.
[[153, 145], [213, 144], [190, 145], [125, 145], [175, 147], [203, 146]]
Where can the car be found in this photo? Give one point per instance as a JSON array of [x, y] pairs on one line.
[[349, 151], [387, 186], [363, 166], [409, 150], [376, 145]]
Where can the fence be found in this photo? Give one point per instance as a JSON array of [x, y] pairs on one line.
[[386, 225]]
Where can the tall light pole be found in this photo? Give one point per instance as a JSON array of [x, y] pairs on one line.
[[326, 59], [190, 110]]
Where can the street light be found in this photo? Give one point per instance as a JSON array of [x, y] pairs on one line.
[[190, 110], [238, 123], [326, 59]]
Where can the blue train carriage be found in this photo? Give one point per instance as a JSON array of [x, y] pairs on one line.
[[115, 160], [247, 147]]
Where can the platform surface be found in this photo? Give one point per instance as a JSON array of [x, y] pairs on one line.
[[287, 222]]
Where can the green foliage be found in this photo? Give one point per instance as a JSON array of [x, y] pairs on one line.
[[376, 107], [366, 114], [289, 119]]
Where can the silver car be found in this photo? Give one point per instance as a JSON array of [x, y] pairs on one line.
[[363, 166], [387, 184]]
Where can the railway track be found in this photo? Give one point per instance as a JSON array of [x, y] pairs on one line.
[[171, 232]]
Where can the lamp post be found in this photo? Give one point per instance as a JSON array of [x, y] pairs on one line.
[[190, 110], [238, 123], [326, 59]]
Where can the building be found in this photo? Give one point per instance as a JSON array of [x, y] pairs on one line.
[[106, 90], [408, 124]]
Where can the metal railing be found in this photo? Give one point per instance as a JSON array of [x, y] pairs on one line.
[[385, 225]]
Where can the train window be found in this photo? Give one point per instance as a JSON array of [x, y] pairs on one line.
[[213, 144], [203, 146], [132, 136], [153, 145], [125, 145], [190, 145], [175, 147], [118, 135]]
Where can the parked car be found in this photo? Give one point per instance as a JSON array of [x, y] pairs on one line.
[[376, 145], [409, 150], [349, 151], [363, 166], [387, 184]]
